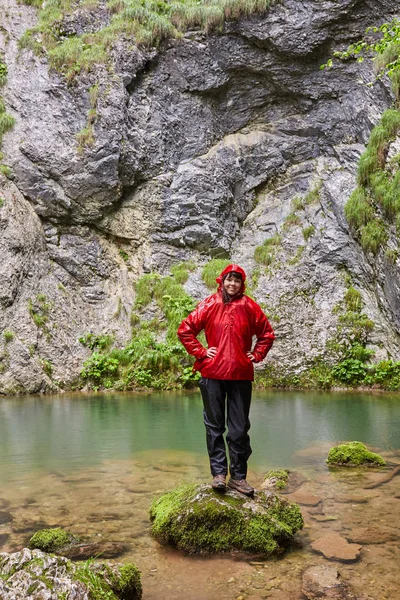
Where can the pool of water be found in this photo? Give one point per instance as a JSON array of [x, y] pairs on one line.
[[93, 464]]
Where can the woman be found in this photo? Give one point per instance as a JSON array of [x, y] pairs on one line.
[[230, 320]]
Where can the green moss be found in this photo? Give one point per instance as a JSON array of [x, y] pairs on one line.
[[278, 477], [373, 236], [198, 520], [50, 540], [128, 585], [353, 454]]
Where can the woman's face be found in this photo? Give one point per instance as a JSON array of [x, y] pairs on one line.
[[232, 285]]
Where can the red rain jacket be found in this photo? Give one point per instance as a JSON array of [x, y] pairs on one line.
[[230, 328]]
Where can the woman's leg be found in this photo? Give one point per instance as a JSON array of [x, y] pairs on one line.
[[213, 394], [238, 408]]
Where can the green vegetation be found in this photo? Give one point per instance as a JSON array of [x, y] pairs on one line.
[[47, 367], [197, 519], [212, 270], [154, 358], [39, 309], [6, 120], [8, 335], [85, 138], [265, 254], [107, 583], [278, 478], [345, 361], [292, 220], [353, 454], [374, 207], [386, 50], [308, 232], [296, 258], [378, 193], [50, 540], [146, 22], [1, 202]]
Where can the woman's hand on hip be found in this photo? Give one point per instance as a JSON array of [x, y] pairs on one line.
[[250, 356], [211, 352]]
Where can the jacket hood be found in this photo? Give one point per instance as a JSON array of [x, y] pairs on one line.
[[230, 269]]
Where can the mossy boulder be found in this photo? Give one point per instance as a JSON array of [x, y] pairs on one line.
[[353, 454], [197, 519], [36, 574], [277, 478], [51, 540]]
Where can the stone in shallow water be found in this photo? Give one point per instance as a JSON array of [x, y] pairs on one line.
[[5, 517], [373, 535], [196, 519], [306, 499], [335, 547], [323, 581], [97, 549]]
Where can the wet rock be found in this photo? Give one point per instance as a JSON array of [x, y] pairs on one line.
[[334, 547], [305, 499], [352, 499], [353, 454], [5, 517], [26, 525], [372, 535], [3, 538], [323, 518], [29, 572], [324, 581], [94, 550], [4, 503], [197, 519]]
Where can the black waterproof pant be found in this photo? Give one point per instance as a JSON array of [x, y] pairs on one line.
[[237, 395]]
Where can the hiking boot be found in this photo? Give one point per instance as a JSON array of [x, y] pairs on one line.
[[219, 483], [241, 485]]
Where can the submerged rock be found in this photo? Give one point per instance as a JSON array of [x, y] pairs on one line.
[[353, 454], [335, 547], [324, 581], [196, 519], [35, 574]]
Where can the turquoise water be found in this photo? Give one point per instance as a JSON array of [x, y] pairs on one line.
[[69, 432], [93, 464]]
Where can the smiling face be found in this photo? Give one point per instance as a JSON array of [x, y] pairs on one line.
[[232, 284]]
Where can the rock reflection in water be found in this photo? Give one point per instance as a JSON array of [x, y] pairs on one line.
[[111, 502]]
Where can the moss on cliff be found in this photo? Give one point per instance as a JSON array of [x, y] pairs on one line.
[[198, 520]]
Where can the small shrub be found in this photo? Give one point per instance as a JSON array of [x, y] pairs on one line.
[[373, 236], [8, 336], [308, 232], [265, 253], [181, 272], [358, 210], [292, 220]]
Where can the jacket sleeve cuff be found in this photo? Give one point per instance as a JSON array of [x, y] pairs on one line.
[[201, 353]]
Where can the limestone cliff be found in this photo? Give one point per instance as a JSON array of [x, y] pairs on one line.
[[206, 147]]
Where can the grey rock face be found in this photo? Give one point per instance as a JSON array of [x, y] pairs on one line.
[[200, 149]]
